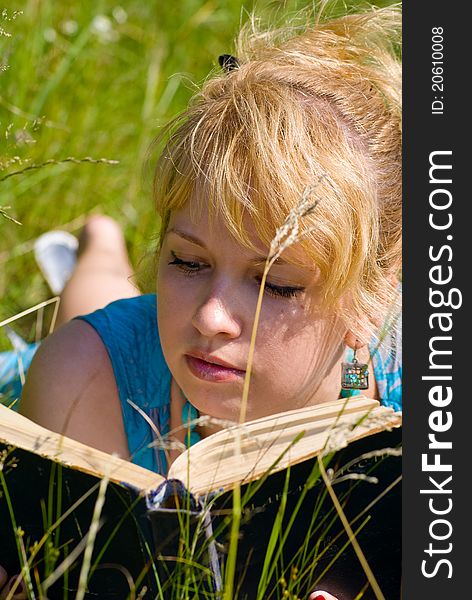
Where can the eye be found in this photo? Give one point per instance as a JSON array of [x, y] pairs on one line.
[[189, 267], [286, 291]]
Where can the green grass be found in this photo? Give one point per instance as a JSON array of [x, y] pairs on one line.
[[70, 90]]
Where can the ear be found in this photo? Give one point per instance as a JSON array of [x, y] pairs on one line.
[[353, 342]]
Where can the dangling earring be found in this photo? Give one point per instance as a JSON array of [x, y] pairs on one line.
[[354, 375]]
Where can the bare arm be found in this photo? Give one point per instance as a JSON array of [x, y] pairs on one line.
[[71, 389]]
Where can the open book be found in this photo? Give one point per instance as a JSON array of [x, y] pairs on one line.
[[51, 485]]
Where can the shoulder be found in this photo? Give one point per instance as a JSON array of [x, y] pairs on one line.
[[127, 312], [128, 329], [70, 388]]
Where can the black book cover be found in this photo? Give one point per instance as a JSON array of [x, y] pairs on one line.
[[39, 491], [315, 547], [140, 547]]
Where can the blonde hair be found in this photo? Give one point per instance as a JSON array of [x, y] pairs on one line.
[[322, 105]]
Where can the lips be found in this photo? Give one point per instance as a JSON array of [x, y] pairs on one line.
[[211, 368], [214, 360]]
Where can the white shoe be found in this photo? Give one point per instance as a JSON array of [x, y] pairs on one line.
[[56, 255]]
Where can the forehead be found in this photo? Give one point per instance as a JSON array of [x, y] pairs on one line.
[[194, 223]]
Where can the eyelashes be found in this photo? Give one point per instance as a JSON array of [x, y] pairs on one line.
[[285, 291], [191, 268], [186, 266]]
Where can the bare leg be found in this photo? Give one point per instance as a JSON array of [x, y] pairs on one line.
[[103, 272]]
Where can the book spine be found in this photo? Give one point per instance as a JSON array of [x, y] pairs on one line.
[[181, 527]]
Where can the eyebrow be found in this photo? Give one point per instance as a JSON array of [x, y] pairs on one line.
[[257, 261]]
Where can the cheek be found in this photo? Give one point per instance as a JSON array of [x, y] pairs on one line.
[[172, 290], [295, 345], [172, 307], [282, 323], [286, 337]]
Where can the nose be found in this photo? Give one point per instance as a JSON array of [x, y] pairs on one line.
[[214, 317]]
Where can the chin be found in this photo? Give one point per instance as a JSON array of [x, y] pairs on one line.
[[216, 404], [226, 410]]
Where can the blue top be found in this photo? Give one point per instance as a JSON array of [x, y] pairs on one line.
[[128, 329], [13, 366]]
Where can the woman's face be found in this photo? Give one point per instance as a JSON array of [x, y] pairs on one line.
[[208, 285]]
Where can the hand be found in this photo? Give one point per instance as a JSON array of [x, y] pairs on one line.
[[321, 595], [6, 585]]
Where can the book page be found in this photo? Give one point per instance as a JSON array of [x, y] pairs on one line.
[[16, 430], [285, 439]]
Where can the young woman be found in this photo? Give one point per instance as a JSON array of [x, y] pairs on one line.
[[316, 108]]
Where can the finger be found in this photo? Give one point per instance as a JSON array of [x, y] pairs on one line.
[[321, 595]]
